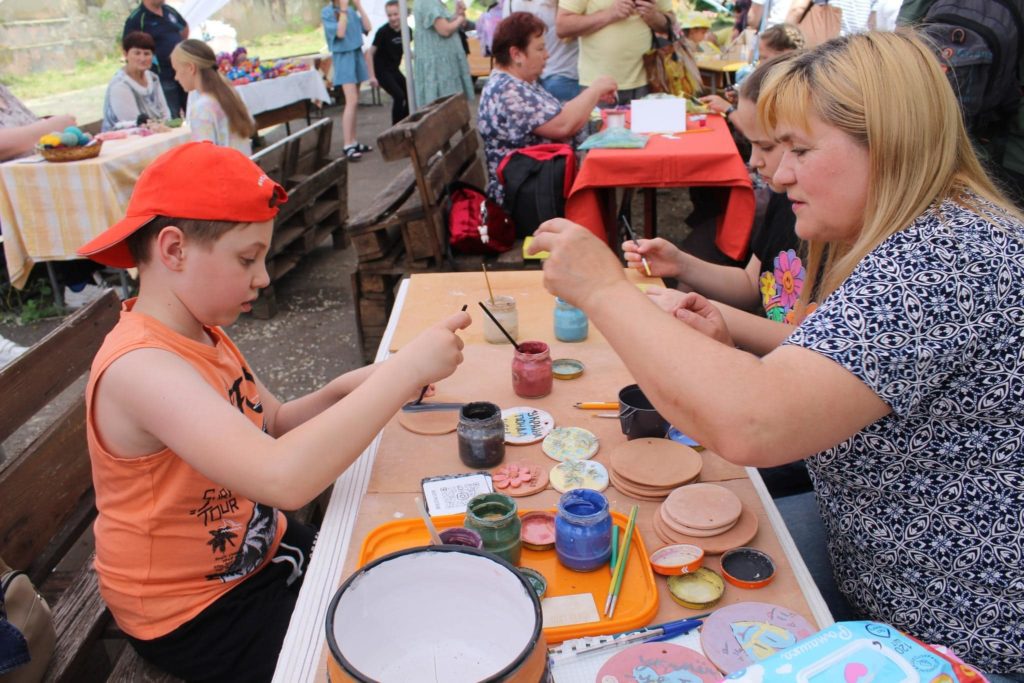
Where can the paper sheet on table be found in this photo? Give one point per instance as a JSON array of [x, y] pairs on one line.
[[661, 115]]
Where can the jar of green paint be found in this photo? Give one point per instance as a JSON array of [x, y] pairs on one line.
[[496, 518]]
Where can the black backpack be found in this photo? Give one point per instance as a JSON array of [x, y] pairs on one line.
[[537, 180], [978, 42]]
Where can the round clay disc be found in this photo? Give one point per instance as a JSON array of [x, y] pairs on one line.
[[696, 533], [525, 425], [578, 474], [624, 487], [658, 662], [519, 479], [656, 462], [745, 633], [429, 422], [570, 443], [741, 534], [703, 506]]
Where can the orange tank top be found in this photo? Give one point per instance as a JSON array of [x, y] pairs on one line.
[[170, 541]]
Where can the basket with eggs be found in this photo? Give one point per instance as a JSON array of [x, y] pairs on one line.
[[70, 145]]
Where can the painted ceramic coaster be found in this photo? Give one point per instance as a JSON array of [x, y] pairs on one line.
[[570, 443], [746, 633], [525, 425], [658, 662], [429, 422], [679, 437], [578, 474], [741, 534], [698, 590], [748, 567], [633, 492], [673, 560], [703, 506], [656, 462], [538, 530], [519, 479], [566, 368]]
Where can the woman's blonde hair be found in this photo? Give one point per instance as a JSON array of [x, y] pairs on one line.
[[887, 92], [212, 82]]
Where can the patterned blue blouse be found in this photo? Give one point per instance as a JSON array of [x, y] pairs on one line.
[[509, 111], [925, 508]]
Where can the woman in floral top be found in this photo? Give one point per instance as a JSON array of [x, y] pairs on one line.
[[515, 111], [904, 389], [774, 277]]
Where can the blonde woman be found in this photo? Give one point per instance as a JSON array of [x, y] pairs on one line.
[[215, 112], [904, 388]]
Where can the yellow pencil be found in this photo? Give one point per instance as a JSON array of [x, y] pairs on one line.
[[596, 405]]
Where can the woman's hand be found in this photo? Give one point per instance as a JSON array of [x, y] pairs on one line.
[[668, 300], [663, 257], [605, 87], [717, 104], [580, 266], [703, 316]]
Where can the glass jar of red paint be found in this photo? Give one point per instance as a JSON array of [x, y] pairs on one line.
[[496, 518], [531, 370]]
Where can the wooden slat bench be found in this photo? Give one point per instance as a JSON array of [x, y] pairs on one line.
[[404, 231], [317, 203]]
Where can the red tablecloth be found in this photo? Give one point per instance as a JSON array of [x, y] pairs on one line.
[[692, 159]]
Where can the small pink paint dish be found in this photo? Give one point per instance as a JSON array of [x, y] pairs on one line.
[[538, 530], [673, 560]]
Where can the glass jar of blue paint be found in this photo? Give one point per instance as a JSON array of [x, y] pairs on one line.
[[571, 324], [496, 518], [583, 530]]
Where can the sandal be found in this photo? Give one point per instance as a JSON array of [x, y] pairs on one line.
[[363, 148], [352, 152]]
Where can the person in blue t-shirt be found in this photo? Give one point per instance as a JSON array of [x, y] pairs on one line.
[[167, 28], [345, 22]]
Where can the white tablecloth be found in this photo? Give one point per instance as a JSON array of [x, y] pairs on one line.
[[279, 92]]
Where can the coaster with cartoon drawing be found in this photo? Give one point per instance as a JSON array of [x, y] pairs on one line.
[[738, 635]]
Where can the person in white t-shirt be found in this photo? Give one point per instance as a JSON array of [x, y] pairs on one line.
[[777, 12]]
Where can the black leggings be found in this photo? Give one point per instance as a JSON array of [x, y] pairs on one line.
[[393, 83], [239, 637]]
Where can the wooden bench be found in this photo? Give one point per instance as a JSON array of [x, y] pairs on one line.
[[404, 230], [317, 203], [48, 502]]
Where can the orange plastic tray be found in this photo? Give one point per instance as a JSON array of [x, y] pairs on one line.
[[638, 597]]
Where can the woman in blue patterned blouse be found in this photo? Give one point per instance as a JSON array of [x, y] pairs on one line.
[[905, 387], [515, 111]]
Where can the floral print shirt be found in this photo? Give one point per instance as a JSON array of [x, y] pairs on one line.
[[783, 272], [924, 509], [510, 109]]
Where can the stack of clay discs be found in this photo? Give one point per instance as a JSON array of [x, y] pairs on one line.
[[708, 516], [650, 469]]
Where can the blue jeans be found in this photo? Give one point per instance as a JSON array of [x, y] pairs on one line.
[[562, 87]]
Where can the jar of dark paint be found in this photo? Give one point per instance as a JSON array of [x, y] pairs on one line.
[[496, 518], [531, 370], [583, 530], [481, 433], [571, 324]]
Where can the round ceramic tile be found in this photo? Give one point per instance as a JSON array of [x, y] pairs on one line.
[[578, 474], [703, 506], [524, 425], [570, 443], [658, 662], [656, 463], [745, 633], [519, 479]]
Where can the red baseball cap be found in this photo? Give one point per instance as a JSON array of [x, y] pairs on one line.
[[198, 180]]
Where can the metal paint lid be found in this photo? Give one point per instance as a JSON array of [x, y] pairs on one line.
[[673, 560], [536, 579], [566, 368], [698, 590], [748, 567]]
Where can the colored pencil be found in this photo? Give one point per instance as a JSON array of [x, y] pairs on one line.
[[596, 405], [620, 569]]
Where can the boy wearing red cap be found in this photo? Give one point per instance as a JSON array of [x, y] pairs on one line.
[[191, 455]]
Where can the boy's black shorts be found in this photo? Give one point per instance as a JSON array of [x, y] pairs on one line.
[[238, 637]]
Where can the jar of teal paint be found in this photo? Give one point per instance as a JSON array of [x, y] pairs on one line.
[[571, 324], [496, 518]]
